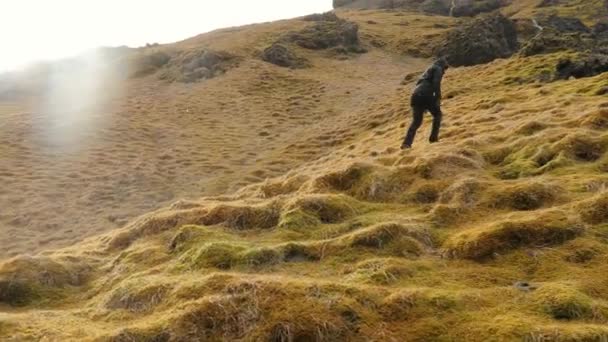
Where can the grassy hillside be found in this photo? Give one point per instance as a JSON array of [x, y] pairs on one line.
[[315, 227]]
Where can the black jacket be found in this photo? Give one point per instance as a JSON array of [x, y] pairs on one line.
[[429, 84]]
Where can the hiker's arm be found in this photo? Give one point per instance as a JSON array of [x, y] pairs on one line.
[[437, 76]]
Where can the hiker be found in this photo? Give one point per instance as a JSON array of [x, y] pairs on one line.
[[427, 96]]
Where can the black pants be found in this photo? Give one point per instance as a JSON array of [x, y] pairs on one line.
[[418, 108]]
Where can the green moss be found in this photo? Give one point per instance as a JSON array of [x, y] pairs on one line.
[[221, 255]]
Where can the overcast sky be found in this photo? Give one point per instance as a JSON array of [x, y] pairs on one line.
[[32, 30]]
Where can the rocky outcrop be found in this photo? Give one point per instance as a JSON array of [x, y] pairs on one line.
[[550, 40], [192, 66], [480, 41], [327, 32], [563, 24], [456, 8], [564, 33]]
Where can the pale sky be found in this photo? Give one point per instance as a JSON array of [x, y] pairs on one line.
[[33, 30]]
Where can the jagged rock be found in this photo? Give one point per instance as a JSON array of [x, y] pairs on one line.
[[480, 41], [585, 66], [326, 34], [280, 55]]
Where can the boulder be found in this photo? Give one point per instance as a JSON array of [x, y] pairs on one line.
[[281, 55], [194, 65], [480, 41], [587, 65]]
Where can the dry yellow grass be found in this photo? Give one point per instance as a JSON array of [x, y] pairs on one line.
[[498, 232]]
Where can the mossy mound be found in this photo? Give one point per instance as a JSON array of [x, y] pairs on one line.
[[479, 243]]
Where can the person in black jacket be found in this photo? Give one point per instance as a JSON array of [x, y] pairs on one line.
[[427, 96]]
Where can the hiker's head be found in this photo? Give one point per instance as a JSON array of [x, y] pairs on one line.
[[442, 62]]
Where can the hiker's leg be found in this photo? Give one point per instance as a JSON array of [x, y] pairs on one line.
[[417, 113], [437, 115]]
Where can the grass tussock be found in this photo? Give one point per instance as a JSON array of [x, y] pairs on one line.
[[243, 217], [235, 216], [24, 280], [222, 255], [526, 196], [444, 165], [595, 210], [380, 271], [547, 229], [597, 120], [382, 235], [270, 188], [154, 224], [446, 215], [313, 210], [416, 303], [563, 302], [137, 297], [343, 180]]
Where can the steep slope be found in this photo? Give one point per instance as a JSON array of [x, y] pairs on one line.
[[498, 232], [150, 142]]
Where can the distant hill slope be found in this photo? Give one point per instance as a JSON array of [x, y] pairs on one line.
[[303, 221]]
